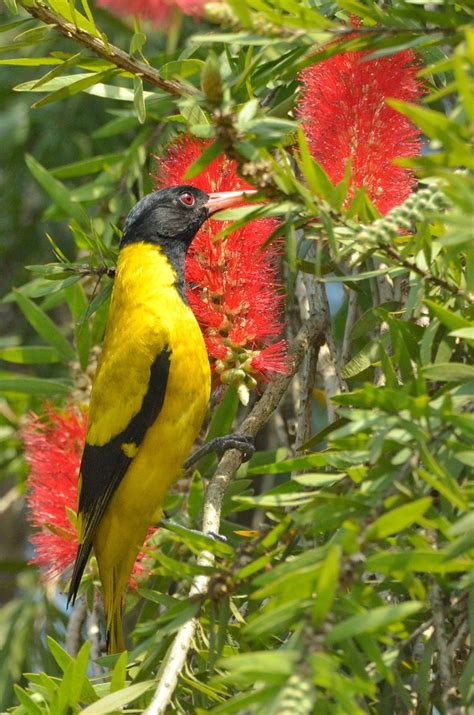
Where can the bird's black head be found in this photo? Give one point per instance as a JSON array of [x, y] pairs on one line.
[[169, 216]]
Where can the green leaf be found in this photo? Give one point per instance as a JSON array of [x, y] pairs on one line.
[[101, 162], [279, 618], [396, 520], [74, 87], [64, 660], [57, 191], [260, 664], [372, 621], [449, 371], [208, 155], [117, 681], [181, 68], [34, 386], [44, 326], [467, 333], [318, 479], [138, 99], [77, 302], [27, 701], [451, 320], [369, 355], [198, 541], [12, 6], [327, 583], [118, 699], [289, 465], [420, 560], [30, 355]]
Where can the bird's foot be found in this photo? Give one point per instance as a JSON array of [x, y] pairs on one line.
[[219, 445]]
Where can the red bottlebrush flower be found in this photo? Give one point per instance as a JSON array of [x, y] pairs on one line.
[[53, 449], [345, 116], [232, 283], [157, 11]]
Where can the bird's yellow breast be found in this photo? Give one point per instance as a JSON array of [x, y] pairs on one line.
[[147, 315]]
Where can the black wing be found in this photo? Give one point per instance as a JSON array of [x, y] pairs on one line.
[[103, 468]]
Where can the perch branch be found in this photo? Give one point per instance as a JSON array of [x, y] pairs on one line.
[[109, 52], [311, 333]]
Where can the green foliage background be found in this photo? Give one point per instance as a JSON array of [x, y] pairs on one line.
[[356, 595]]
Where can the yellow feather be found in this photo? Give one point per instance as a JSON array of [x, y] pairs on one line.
[[146, 302]]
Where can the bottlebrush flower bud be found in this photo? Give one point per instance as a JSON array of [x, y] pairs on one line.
[[346, 117], [232, 282]]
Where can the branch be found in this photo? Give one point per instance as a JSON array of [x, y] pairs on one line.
[[352, 311], [105, 50], [428, 276], [446, 680], [311, 334], [74, 627]]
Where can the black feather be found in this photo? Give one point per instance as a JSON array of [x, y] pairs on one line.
[[103, 468]]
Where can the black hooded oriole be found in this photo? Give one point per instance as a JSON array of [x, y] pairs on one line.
[[150, 392]]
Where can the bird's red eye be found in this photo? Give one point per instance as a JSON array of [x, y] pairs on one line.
[[187, 198]]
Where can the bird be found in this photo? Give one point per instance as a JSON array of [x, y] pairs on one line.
[[149, 395]]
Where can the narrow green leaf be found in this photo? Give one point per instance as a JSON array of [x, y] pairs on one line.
[[372, 621], [77, 302], [73, 88], [57, 191], [289, 465], [117, 681], [58, 70], [327, 583], [83, 167], [27, 701], [138, 99], [208, 155], [396, 520], [30, 355], [181, 68], [451, 320], [44, 326], [421, 561], [116, 700], [34, 386], [449, 371]]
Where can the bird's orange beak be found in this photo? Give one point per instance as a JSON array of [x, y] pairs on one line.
[[221, 200]]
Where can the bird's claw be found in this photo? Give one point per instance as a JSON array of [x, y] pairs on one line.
[[241, 442], [220, 445]]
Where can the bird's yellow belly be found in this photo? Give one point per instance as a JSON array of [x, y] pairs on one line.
[[138, 500]]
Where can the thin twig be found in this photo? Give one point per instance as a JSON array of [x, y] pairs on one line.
[[310, 334], [8, 499], [448, 688], [105, 50], [352, 310], [428, 276], [93, 635], [74, 628]]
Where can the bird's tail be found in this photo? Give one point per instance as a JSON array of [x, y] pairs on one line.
[[113, 594]]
